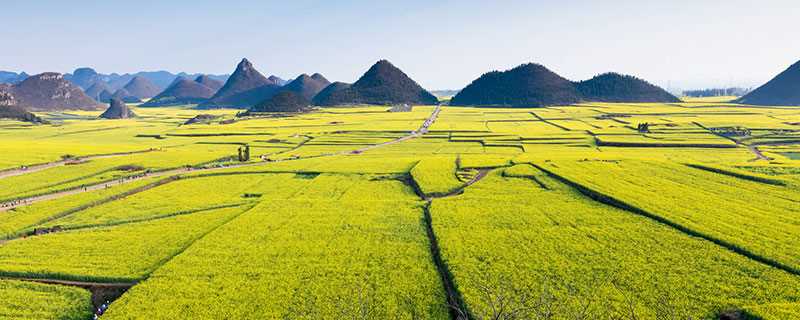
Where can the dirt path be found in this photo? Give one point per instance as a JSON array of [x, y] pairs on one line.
[[39, 167], [481, 174], [759, 155], [27, 201], [414, 134], [754, 149]]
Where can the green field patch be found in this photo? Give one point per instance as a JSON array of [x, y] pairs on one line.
[[436, 176], [774, 311], [507, 239], [33, 301], [745, 216], [172, 199], [300, 259], [127, 252]]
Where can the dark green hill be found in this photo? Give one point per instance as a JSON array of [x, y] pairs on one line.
[[783, 90], [284, 101], [333, 88], [529, 85], [615, 87], [307, 86], [382, 84]]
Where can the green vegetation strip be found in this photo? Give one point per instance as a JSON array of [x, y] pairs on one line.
[[615, 202]]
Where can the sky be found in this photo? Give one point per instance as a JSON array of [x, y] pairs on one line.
[[441, 44]]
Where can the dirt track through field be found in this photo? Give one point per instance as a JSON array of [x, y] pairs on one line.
[[478, 177], [39, 167], [759, 155], [27, 201]]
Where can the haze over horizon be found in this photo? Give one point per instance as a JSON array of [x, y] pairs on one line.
[[446, 45]]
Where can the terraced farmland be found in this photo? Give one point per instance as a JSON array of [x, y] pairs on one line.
[[591, 211]]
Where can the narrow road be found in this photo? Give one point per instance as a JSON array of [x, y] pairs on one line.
[[27, 201], [414, 134], [39, 167], [752, 148], [759, 155]]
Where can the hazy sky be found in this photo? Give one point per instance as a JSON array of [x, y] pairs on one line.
[[441, 44]]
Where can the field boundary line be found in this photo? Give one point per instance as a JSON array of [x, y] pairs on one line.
[[455, 301], [180, 251], [619, 204], [148, 219], [743, 176], [550, 123]]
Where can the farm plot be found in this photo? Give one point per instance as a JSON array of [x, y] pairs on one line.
[[179, 197], [300, 259], [758, 219], [436, 176], [126, 252], [27, 300], [542, 247]]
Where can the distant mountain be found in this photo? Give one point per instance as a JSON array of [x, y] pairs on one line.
[[105, 96], [209, 82], [125, 96], [116, 81], [382, 84], [142, 88], [336, 88], [117, 110], [307, 86], [284, 101], [83, 77], [12, 77], [614, 87], [6, 95], [245, 88], [10, 110], [86, 77], [96, 89], [783, 90], [182, 91], [50, 91], [528, 85], [277, 80]]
